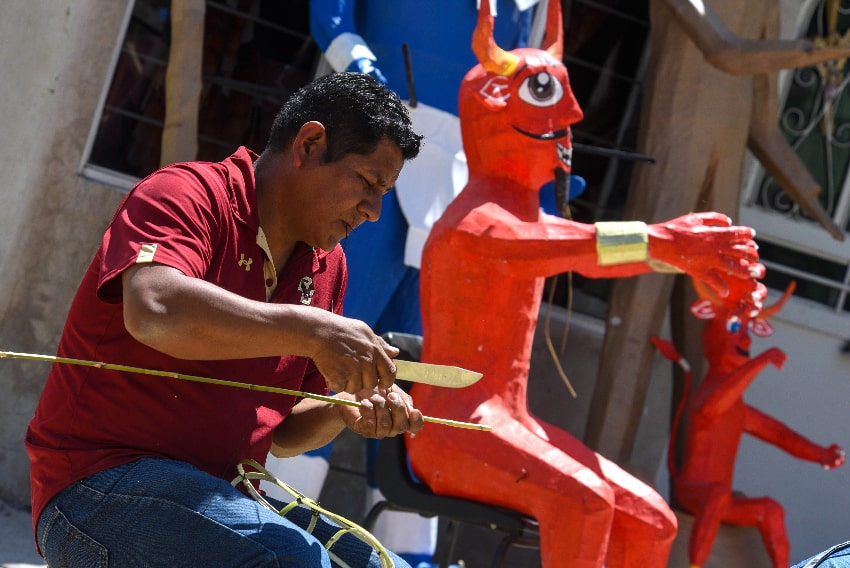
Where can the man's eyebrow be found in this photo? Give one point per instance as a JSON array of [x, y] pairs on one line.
[[378, 178]]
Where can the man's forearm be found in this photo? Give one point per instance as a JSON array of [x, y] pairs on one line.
[[311, 424]]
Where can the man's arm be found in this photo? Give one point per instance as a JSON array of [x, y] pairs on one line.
[[189, 318]]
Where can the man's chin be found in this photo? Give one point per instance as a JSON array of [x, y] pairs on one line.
[[328, 245]]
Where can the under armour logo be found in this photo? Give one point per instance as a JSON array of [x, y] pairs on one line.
[[246, 262], [307, 290]]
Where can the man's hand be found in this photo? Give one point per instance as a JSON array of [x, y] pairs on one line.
[[707, 247], [352, 357], [382, 413]]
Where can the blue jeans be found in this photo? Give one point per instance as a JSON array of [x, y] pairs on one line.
[[158, 512], [836, 557]]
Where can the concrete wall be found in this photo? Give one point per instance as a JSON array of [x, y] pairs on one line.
[[54, 58]]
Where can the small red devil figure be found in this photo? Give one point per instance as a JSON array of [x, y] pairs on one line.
[[483, 272], [718, 417]]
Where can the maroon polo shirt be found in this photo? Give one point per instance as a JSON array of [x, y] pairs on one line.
[[200, 218]]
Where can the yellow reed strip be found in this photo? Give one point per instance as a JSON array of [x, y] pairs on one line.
[[222, 382]]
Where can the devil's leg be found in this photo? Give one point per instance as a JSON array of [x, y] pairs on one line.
[[513, 467], [644, 525], [769, 516], [709, 503]]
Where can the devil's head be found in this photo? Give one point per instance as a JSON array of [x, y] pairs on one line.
[[516, 107], [730, 320]]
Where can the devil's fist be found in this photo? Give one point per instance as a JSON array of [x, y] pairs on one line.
[[832, 457]]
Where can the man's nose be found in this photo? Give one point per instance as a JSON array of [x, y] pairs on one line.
[[370, 208]]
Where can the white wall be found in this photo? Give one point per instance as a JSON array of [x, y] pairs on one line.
[[811, 395]]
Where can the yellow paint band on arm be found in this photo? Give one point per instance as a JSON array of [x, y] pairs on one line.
[[621, 242]]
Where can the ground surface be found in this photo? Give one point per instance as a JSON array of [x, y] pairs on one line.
[[17, 548]]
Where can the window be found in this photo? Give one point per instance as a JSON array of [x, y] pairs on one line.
[[815, 119], [256, 52]]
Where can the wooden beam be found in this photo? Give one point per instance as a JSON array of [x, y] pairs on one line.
[[183, 82]]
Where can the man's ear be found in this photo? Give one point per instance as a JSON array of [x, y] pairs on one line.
[[310, 143]]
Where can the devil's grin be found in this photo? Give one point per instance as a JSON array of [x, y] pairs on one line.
[[565, 155], [551, 135]]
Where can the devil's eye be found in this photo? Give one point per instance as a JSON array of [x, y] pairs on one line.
[[541, 90], [733, 324]]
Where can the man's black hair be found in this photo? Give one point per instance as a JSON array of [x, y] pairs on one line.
[[357, 112]]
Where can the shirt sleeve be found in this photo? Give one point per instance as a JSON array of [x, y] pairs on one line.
[[171, 218]]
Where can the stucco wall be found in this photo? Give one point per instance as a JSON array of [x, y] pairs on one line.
[[54, 56]]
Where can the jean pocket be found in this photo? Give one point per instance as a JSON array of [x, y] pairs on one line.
[[63, 544]]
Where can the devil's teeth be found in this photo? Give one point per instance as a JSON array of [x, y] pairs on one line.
[[565, 154]]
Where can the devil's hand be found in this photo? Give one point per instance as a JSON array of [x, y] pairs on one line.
[[775, 357], [832, 457], [707, 247]]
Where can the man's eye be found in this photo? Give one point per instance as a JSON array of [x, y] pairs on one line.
[[541, 90]]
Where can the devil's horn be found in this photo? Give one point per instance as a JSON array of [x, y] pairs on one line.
[[705, 292], [553, 41], [770, 311], [492, 57]]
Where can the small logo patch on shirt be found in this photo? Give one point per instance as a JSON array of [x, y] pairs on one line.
[[146, 253], [305, 286], [245, 262]]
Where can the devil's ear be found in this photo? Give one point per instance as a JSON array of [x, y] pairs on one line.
[[762, 328], [703, 309]]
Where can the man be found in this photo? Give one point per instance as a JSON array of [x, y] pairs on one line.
[[222, 270]]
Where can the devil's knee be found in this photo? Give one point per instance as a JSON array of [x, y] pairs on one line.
[[773, 514], [598, 497]]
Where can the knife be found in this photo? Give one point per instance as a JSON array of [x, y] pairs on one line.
[[436, 375]]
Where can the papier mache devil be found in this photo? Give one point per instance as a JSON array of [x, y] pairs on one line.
[[718, 417], [483, 270]]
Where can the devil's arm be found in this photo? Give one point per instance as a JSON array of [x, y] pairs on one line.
[[530, 250], [772, 431], [740, 56], [703, 245], [718, 399]]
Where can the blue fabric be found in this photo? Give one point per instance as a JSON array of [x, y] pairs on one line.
[[164, 513], [437, 32], [547, 194], [382, 290], [836, 557], [323, 452]]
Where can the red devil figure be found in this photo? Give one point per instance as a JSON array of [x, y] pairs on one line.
[[718, 417], [483, 272]]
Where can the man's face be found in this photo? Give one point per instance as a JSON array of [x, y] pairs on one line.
[[346, 193]]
